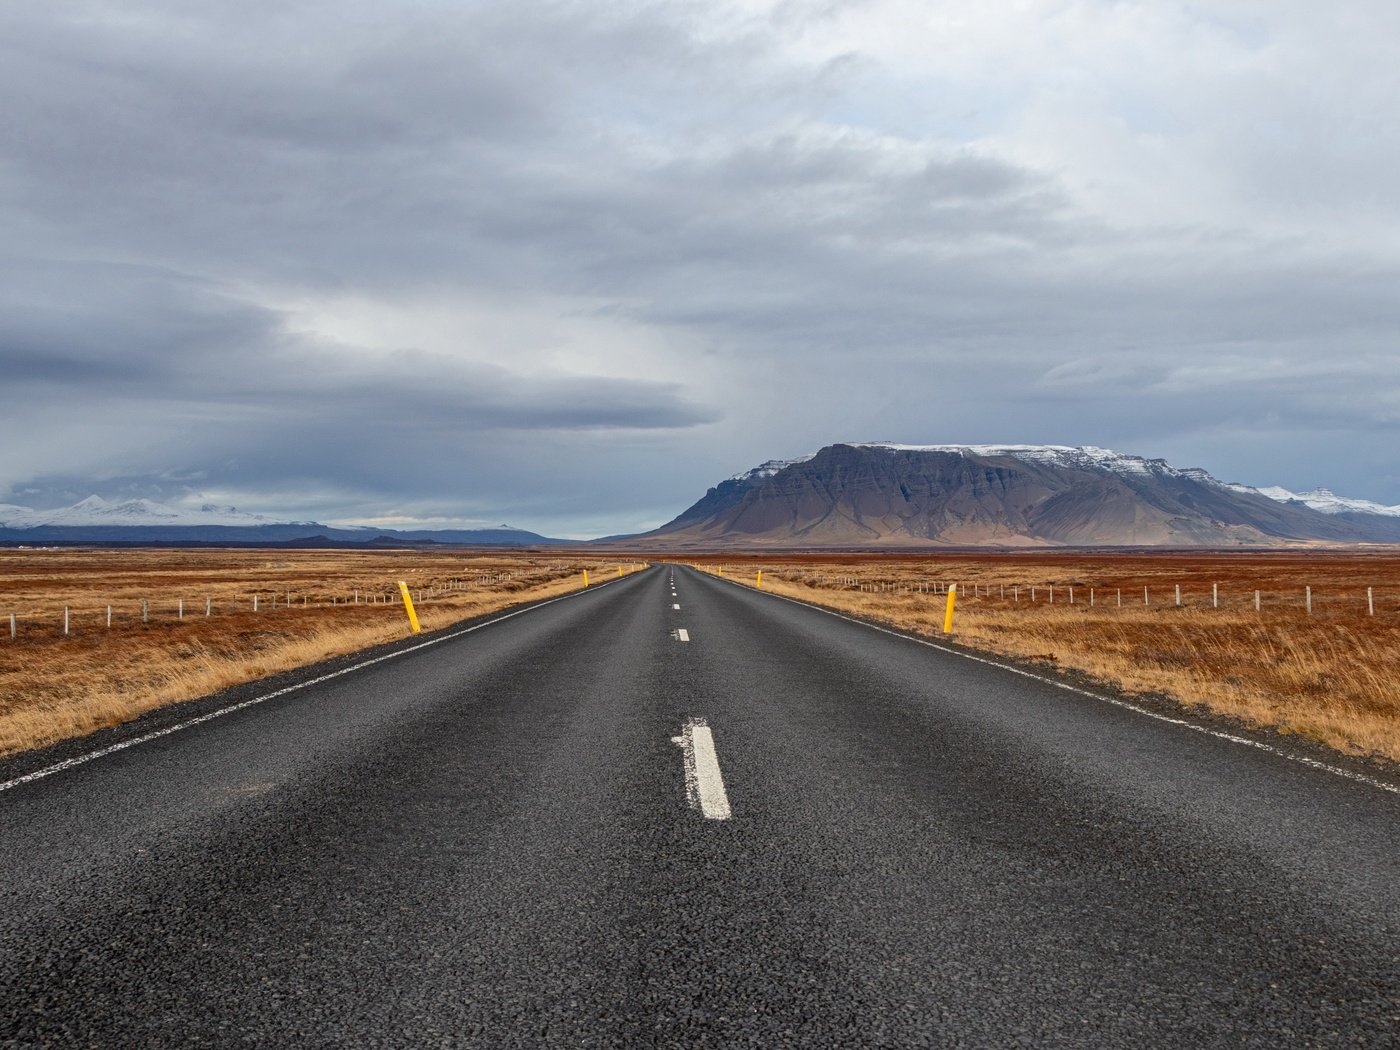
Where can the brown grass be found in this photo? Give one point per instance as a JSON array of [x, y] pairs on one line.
[[1331, 676], [53, 687]]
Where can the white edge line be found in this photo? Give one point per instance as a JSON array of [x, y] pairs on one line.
[[1360, 778], [78, 760]]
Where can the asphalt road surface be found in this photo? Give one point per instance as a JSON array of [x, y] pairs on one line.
[[581, 827]]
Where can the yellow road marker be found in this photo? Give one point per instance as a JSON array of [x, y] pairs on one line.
[[585, 577], [408, 606], [948, 616]]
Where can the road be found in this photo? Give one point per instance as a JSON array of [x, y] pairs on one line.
[[514, 837]]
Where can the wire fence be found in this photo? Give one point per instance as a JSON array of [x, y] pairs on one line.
[[41, 620], [1368, 600]]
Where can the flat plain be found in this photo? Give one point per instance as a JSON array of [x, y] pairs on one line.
[[146, 628], [1330, 672]]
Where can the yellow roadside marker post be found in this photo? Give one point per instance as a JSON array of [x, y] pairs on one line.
[[759, 582], [408, 606], [721, 570], [619, 570], [585, 577], [948, 616]]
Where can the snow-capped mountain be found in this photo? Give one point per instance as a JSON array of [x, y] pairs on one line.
[[1325, 500], [884, 492], [1092, 457], [97, 511]]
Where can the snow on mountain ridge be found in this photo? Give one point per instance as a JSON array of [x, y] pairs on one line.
[[97, 511], [1324, 500], [1080, 456], [768, 468]]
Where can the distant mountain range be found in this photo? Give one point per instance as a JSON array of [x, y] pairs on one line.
[[866, 494], [887, 494], [95, 520]]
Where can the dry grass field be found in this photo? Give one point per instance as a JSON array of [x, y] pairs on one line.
[[246, 614], [1332, 675]]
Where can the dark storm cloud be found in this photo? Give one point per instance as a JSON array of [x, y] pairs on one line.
[[520, 255]]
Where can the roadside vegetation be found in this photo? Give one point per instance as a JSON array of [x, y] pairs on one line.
[[187, 623], [1332, 674]]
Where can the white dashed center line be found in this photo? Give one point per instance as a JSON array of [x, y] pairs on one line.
[[682, 635], [674, 606], [704, 785]]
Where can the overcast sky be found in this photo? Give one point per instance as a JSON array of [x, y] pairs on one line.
[[566, 265]]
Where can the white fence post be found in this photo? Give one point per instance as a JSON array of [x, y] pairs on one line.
[[109, 617], [65, 621], [12, 627], [1256, 601], [208, 606], [1178, 596], [1370, 603], [181, 611], [145, 611], [1215, 595], [1307, 598]]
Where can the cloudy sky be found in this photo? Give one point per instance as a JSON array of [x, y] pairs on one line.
[[565, 265]]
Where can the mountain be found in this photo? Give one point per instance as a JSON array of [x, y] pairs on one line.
[[1324, 500], [884, 494], [97, 511], [95, 520]]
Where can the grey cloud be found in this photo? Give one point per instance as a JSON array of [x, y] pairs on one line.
[[128, 332], [225, 396]]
